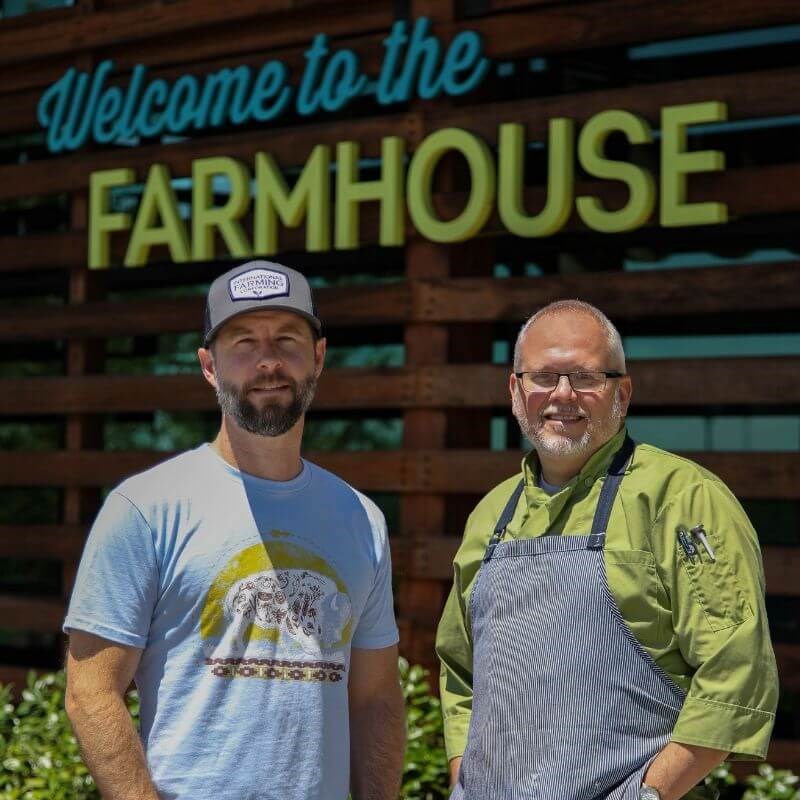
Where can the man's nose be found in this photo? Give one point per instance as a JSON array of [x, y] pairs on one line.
[[268, 355], [563, 389]]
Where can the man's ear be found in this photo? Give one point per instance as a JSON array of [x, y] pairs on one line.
[[206, 359], [512, 385], [625, 394], [320, 349]]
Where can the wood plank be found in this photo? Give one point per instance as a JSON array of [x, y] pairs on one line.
[[788, 657], [236, 42], [43, 615], [110, 28], [624, 296], [432, 471], [357, 305], [58, 542], [16, 676], [83, 357], [540, 29], [726, 382], [747, 95], [43, 251], [559, 28], [783, 754], [493, 6], [429, 558], [782, 567]]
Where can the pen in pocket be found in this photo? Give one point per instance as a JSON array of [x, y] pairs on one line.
[[686, 543], [699, 533]]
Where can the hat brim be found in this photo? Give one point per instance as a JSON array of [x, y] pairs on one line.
[[261, 306]]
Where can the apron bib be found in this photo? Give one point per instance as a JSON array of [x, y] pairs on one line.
[[567, 704]]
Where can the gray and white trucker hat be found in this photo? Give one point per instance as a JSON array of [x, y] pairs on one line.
[[254, 286]]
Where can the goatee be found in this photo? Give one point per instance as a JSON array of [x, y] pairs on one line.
[[597, 430]]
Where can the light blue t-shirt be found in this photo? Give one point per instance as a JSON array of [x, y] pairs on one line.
[[246, 596]]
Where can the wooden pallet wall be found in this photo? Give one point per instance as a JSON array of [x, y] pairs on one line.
[[447, 308]]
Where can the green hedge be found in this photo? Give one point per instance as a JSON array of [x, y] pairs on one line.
[[41, 760]]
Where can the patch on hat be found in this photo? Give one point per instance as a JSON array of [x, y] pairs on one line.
[[257, 284]]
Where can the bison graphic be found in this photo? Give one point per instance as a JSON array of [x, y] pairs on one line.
[[304, 606]]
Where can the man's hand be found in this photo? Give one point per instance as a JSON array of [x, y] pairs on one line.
[[455, 766], [377, 724], [98, 675], [680, 767]]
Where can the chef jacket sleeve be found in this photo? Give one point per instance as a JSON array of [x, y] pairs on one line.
[[720, 622]]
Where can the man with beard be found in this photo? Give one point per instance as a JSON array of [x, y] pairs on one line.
[[232, 708], [606, 635]]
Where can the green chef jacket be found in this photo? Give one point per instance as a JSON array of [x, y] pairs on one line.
[[703, 622]]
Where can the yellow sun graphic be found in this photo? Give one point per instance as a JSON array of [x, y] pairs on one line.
[[266, 555]]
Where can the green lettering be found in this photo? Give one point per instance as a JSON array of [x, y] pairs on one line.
[[310, 196], [641, 186]]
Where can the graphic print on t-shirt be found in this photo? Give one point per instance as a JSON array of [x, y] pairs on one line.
[[277, 611]]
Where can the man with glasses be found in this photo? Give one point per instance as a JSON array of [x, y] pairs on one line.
[[606, 635]]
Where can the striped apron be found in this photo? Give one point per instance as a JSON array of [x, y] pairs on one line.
[[567, 704]]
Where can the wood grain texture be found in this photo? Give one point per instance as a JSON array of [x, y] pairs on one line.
[[431, 471], [43, 615], [624, 296], [693, 383], [280, 22], [536, 30], [59, 542]]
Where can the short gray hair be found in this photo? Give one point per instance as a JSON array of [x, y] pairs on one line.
[[615, 349]]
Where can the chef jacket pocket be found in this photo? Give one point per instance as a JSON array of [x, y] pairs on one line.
[[634, 585], [715, 585]]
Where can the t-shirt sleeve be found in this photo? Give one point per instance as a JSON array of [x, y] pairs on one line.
[[377, 628], [116, 587]]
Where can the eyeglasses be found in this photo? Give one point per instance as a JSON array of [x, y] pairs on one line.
[[587, 381]]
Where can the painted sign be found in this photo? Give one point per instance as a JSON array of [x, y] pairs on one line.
[[81, 107]]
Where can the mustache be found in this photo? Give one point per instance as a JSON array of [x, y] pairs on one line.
[[278, 380], [570, 411]]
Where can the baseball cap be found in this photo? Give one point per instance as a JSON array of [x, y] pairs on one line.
[[254, 286]]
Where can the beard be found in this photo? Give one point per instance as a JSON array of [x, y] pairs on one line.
[[272, 418], [598, 431]]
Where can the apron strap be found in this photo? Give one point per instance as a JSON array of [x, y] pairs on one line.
[[608, 493], [505, 518]]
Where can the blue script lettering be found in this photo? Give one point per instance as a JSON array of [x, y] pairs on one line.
[[270, 83], [309, 98], [149, 122], [79, 104], [342, 82], [224, 97], [51, 108], [420, 72], [108, 108], [181, 104]]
